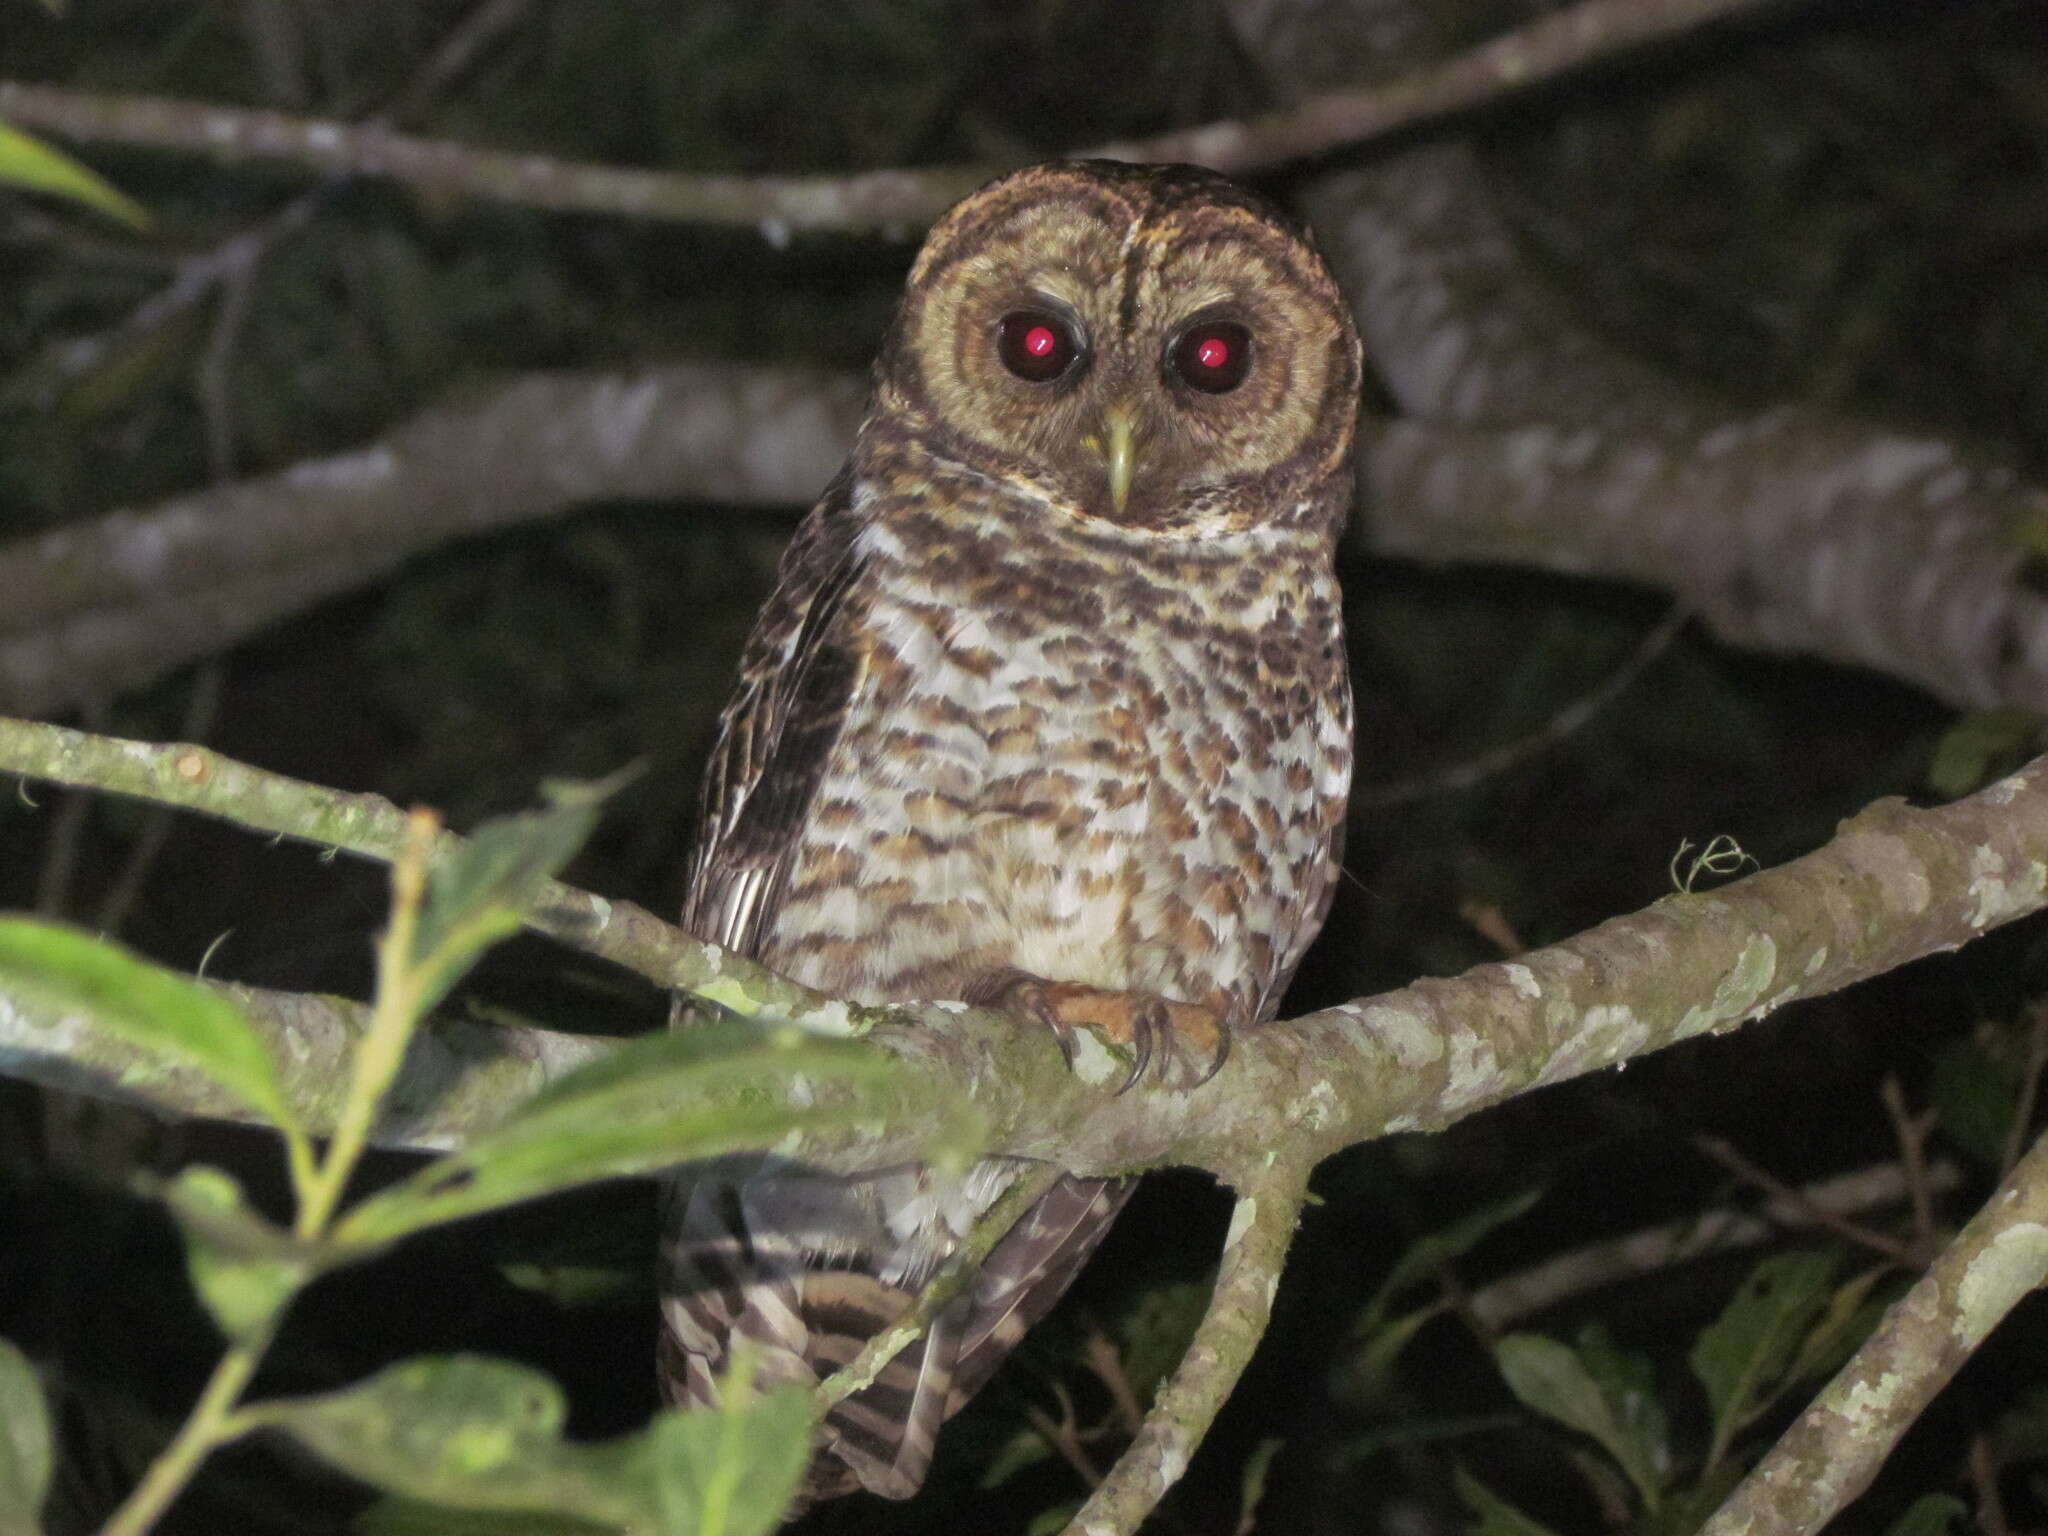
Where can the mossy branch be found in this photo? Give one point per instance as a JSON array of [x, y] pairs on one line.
[[1240, 1306], [1832, 1452], [1894, 884]]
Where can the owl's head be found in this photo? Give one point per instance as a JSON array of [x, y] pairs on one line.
[[1149, 345]]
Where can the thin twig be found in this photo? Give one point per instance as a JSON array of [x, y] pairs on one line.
[[1558, 728], [58, 872], [1910, 1131], [1507, 1301], [1815, 1215], [465, 42], [950, 1278], [1063, 1435], [1983, 1463], [2030, 1085], [148, 846]]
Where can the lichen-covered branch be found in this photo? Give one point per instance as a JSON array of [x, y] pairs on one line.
[[196, 778], [1254, 1251], [117, 601], [1830, 1455], [1791, 529], [1893, 885], [120, 600], [890, 202], [460, 1077]]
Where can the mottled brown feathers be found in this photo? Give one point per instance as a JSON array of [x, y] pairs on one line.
[[999, 716]]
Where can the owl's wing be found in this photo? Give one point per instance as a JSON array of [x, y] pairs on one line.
[[777, 732], [1027, 1273]]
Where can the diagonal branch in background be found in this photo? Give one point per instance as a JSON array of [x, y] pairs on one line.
[[1893, 885], [893, 202], [1836, 1447]]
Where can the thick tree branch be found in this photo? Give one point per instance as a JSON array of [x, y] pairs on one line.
[[1261, 1230], [1830, 1455], [1727, 524], [1894, 884], [891, 202], [119, 600], [1792, 529]]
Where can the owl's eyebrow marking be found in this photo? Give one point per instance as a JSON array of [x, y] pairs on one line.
[[1131, 259]]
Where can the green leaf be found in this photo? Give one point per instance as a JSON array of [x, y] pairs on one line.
[[1026, 1448], [1932, 1514], [1365, 1375], [1843, 1325], [656, 1102], [576, 1285], [1557, 1381], [1743, 1357], [31, 164], [1252, 1487], [479, 893], [1629, 1384], [1153, 1332], [731, 1470], [1050, 1522], [160, 1011], [1378, 1335], [393, 1515], [1493, 1515], [467, 1433], [1983, 745], [1975, 1089], [24, 1444], [1430, 1252], [244, 1269]]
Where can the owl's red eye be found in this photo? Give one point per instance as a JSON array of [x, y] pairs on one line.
[[1036, 345], [1213, 357]]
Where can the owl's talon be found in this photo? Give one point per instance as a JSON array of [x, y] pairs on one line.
[[1222, 1053], [1146, 1023], [1152, 1029]]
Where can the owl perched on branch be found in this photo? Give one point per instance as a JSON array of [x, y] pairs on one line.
[[1048, 712]]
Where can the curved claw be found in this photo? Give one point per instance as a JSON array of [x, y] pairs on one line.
[[1146, 1025], [1222, 1054], [1153, 1029]]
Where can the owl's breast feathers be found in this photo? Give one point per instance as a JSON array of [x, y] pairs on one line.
[[970, 735], [1089, 753]]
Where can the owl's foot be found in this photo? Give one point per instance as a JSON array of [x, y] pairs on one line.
[[1180, 1035]]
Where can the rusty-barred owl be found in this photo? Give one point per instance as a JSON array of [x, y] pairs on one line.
[[1048, 710]]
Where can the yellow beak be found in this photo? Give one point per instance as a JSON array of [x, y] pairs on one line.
[[1119, 453]]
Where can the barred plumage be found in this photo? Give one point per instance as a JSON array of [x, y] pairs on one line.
[[1052, 683]]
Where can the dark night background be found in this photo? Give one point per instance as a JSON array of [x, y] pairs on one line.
[[1847, 205]]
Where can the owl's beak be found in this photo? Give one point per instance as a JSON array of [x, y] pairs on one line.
[[1119, 452]]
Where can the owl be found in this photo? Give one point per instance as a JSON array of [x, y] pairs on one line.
[[1048, 711]]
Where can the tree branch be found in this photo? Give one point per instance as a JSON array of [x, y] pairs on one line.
[[1834, 1450], [1240, 1305], [890, 202], [119, 600], [1893, 885], [1791, 529]]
